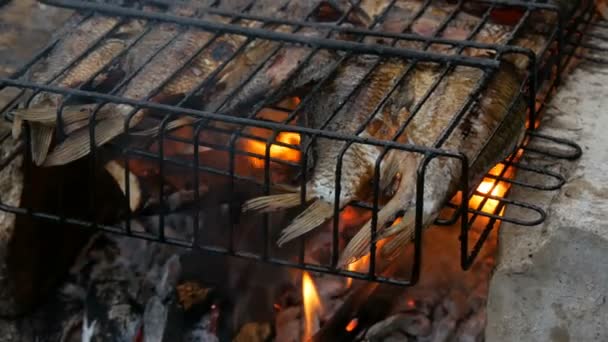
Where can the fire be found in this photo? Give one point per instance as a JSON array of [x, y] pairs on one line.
[[493, 187], [312, 306], [357, 266], [352, 325], [258, 147], [276, 151]]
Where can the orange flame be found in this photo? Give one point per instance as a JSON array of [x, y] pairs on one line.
[[276, 151], [493, 187], [258, 147], [312, 306], [352, 325]]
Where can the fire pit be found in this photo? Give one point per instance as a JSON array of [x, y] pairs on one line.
[[185, 184]]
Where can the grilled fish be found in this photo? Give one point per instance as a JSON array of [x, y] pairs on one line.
[[359, 161], [492, 114], [265, 66], [476, 128], [158, 71], [68, 49], [284, 70]]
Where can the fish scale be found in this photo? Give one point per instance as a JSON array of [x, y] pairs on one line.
[[67, 50], [471, 134], [358, 162], [160, 69]]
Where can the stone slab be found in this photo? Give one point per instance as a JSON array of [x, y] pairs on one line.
[[551, 282]]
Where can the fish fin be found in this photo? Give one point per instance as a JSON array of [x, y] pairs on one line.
[[77, 145], [117, 171], [358, 246], [401, 233], [286, 188], [315, 215], [47, 115], [175, 124], [42, 137], [189, 149], [272, 203], [389, 171], [17, 127]]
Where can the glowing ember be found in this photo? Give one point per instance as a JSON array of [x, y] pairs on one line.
[[352, 325], [276, 151], [312, 306], [349, 214], [492, 187]]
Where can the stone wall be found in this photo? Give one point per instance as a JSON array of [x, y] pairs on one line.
[[551, 281]]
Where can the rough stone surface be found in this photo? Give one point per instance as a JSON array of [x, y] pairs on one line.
[[35, 254], [11, 187], [550, 282]]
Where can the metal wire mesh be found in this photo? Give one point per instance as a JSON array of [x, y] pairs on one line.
[[236, 125]]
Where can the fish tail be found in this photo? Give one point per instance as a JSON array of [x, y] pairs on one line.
[[117, 171], [41, 142], [77, 145], [401, 233], [358, 246], [47, 115], [390, 169], [17, 127], [315, 215], [272, 203]]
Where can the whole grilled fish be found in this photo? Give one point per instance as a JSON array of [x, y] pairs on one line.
[[492, 114], [161, 69], [67, 50], [255, 75], [359, 160], [449, 96], [134, 59]]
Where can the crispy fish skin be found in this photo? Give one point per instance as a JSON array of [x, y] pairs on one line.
[[284, 70], [359, 160], [160, 69], [472, 133], [442, 175], [76, 42]]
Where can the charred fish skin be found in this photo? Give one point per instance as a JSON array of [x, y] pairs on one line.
[[494, 113], [358, 160], [442, 176], [162, 68], [284, 70], [67, 50]]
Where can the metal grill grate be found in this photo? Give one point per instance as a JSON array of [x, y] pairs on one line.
[[341, 38]]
